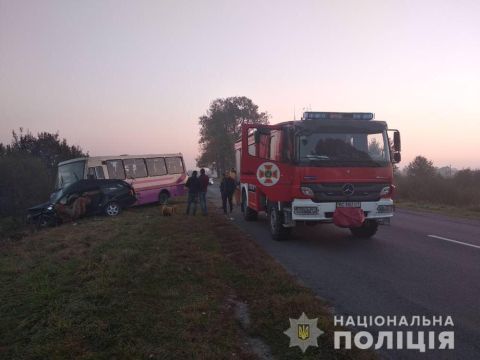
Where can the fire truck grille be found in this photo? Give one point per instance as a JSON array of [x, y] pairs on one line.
[[333, 192]]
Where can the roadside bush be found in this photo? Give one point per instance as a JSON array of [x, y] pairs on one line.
[[28, 168], [25, 182], [421, 183]]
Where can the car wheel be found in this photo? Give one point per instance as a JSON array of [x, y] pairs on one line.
[[163, 197], [248, 213], [367, 230], [112, 209], [277, 230], [42, 222]]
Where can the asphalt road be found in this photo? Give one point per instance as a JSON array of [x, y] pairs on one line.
[[422, 264]]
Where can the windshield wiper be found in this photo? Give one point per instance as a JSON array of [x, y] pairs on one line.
[[317, 157]]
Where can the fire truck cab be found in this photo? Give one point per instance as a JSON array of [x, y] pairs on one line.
[[327, 167]]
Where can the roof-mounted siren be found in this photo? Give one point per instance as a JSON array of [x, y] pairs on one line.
[[316, 115]]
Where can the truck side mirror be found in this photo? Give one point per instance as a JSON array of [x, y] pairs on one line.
[[397, 157], [397, 146]]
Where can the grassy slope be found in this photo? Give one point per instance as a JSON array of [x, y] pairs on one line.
[[454, 211], [145, 286]]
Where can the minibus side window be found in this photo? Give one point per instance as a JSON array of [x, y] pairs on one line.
[[91, 173], [174, 165], [135, 168], [115, 169], [99, 172], [156, 166]]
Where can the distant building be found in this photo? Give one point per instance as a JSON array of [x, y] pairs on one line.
[[447, 171]]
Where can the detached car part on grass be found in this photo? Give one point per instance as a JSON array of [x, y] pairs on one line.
[[83, 198]]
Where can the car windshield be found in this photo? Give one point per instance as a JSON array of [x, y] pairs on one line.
[[343, 149], [55, 196], [69, 173]]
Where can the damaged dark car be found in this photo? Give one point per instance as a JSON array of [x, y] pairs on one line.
[[83, 198]]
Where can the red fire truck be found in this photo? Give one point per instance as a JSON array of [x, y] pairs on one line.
[[327, 167]]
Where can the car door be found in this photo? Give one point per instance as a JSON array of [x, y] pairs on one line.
[[95, 196]]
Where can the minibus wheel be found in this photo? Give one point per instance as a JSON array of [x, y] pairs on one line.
[[367, 230], [112, 209], [163, 197]]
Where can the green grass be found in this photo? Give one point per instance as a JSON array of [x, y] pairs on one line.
[[146, 286], [459, 212]]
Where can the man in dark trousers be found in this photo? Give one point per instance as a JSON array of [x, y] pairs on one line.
[[227, 188], [203, 179], [193, 186]]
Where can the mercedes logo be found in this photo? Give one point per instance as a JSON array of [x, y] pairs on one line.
[[348, 189]]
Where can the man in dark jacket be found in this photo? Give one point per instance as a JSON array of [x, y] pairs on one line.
[[203, 179], [193, 186], [227, 188]]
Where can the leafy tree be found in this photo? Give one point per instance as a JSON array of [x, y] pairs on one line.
[[28, 166], [220, 127], [48, 147], [468, 178], [421, 167], [25, 182]]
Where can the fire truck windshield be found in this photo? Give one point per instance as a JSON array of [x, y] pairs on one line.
[[343, 149]]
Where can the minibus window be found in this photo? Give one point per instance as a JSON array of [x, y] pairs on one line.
[[156, 166], [174, 165], [115, 169], [99, 172], [135, 168], [91, 173]]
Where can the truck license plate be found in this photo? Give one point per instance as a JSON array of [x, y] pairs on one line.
[[349, 204]]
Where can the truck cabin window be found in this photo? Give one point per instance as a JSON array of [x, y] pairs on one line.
[[343, 149]]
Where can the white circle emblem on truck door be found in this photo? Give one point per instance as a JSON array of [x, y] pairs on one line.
[[268, 174]]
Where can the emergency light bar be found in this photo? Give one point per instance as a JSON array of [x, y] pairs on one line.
[[311, 115]]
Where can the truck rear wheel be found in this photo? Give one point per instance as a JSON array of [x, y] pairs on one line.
[[367, 230], [248, 213], [278, 231]]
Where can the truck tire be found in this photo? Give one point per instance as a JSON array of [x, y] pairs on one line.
[[278, 231], [248, 213], [367, 230]]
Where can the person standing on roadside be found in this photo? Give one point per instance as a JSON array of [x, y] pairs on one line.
[[227, 188], [193, 185], [204, 180]]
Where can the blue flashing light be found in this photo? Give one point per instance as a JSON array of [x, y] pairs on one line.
[[314, 115]]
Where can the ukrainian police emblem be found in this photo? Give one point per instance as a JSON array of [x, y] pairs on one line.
[[303, 332]]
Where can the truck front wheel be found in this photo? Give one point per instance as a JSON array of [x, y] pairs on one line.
[[367, 230], [278, 231], [248, 213]]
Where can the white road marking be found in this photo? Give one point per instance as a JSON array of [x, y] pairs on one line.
[[454, 241]]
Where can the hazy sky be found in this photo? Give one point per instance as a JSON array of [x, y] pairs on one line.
[[134, 76]]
